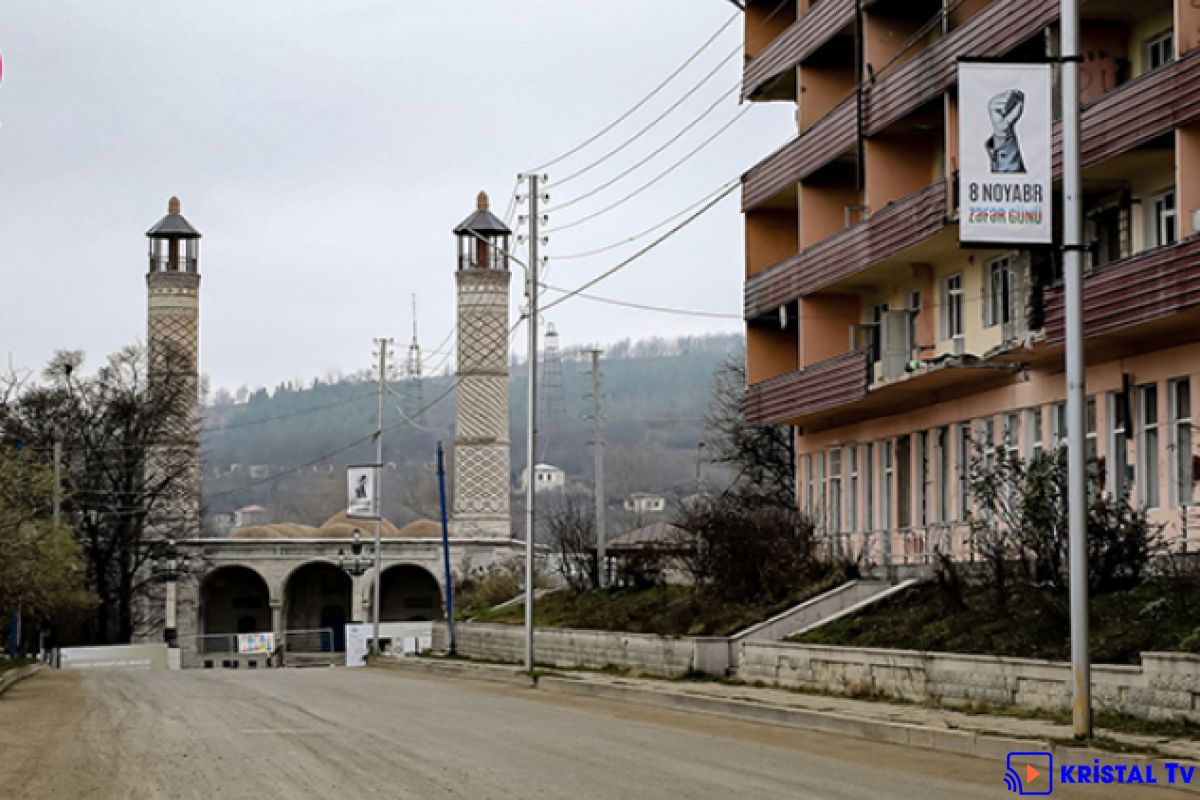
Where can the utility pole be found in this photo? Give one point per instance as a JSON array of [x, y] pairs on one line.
[[441, 478], [1081, 703], [384, 351], [598, 444], [57, 513], [531, 292]]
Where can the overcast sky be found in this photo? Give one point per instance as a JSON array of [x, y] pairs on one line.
[[326, 149]]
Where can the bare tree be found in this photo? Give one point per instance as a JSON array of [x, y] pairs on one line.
[[571, 529]]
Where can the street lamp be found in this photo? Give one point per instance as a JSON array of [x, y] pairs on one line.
[[168, 569], [358, 564]]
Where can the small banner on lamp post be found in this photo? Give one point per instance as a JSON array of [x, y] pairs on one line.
[[361, 494], [1005, 124]]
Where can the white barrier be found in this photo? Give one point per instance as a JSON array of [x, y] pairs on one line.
[[116, 656]]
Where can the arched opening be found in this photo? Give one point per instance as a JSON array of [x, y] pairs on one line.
[[232, 600], [317, 601], [408, 593]]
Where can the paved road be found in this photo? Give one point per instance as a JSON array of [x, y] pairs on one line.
[[337, 733]]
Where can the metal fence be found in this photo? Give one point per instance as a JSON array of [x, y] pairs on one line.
[[316, 640]]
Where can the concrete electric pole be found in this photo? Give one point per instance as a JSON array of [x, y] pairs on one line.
[[531, 292], [1081, 703], [383, 353], [598, 444]]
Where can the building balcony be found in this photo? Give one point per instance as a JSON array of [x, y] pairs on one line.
[[895, 228], [795, 395], [1155, 292], [795, 44]]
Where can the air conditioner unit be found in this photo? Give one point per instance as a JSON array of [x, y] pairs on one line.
[[960, 345]]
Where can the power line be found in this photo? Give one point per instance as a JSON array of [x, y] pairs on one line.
[[640, 103], [299, 413], [596, 190], [641, 235], [653, 123], [686, 312], [607, 273], [655, 179]]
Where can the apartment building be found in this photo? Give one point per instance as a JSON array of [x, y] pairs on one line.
[[891, 349]]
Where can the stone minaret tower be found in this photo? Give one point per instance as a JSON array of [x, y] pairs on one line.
[[481, 443], [173, 342]]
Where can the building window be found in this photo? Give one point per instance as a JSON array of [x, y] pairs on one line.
[[1148, 445], [820, 512], [1118, 444], [1091, 447], [926, 485], [904, 481], [1180, 411], [885, 488], [952, 307], [943, 474], [998, 303], [1011, 429], [878, 313], [964, 456], [1164, 230], [1059, 424], [835, 490], [808, 488], [1160, 50], [868, 487], [852, 500], [963, 445], [1033, 433]]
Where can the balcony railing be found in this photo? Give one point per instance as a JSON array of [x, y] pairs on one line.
[[797, 43], [833, 382], [1136, 290], [831, 136], [895, 228]]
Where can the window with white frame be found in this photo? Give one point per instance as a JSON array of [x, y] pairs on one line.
[[835, 490], [963, 453], [1118, 445], [852, 498], [1159, 50], [868, 486], [1033, 432], [1164, 228], [952, 307], [925, 476], [875, 320], [1147, 446], [808, 488], [822, 520], [943, 474], [1011, 429], [885, 486], [1179, 401], [1091, 446], [999, 300], [904, 481], [1058, 424]]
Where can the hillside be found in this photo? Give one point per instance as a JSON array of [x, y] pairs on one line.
[[656, 393]]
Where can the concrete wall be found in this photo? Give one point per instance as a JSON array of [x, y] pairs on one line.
[[569, 649], [1165, 686]]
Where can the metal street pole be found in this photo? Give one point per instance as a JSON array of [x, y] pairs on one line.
[[57, 513], [383, 344], [598, 443], [531, 292], [1081, 704]]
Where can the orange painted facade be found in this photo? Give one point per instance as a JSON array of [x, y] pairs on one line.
[[962, 347]]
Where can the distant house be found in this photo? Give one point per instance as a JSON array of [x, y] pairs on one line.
[[645, 503], [650, 553], [258, 471], [251, 515], [546, 477]]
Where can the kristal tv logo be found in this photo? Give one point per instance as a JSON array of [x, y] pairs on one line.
[[1029, 774]]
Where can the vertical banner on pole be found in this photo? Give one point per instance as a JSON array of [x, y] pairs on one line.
[[361, 497], [1005, 126]]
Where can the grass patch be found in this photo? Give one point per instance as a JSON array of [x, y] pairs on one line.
[[662, 610], [1124, 624], [7, 664]]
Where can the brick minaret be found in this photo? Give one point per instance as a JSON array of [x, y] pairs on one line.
[[173, 342], [481, 437]]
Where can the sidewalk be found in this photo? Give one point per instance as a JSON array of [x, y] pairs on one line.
[[984, 735]]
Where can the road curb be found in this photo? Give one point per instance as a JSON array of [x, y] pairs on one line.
[[19, 674], [944, 740]]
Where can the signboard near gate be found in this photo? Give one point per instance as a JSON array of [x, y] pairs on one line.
[[1005, 123], [357, 636], [256, 643]]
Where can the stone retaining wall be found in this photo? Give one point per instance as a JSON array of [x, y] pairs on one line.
[[1165, 686], [569, 648]]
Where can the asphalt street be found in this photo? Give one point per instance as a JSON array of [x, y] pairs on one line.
[[342, 733]]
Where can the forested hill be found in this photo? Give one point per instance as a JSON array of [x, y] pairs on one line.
[[655, 394]]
